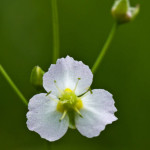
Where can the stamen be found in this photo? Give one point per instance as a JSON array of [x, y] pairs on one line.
[[76, 84], [90, 90], [76, 109], [83, 95], [86, 93], [63, 116], [58, 87], [48, 93]]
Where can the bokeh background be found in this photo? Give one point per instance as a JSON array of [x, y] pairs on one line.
[[26, 41]]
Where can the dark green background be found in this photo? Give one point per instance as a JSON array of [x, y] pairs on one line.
[[26, 41]]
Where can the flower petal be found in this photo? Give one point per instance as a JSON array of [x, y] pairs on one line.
[[43, 118], [66, 73], [98, 111]]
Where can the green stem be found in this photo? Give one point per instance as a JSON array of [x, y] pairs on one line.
[[104, 49], [14, 87], [55, 23]]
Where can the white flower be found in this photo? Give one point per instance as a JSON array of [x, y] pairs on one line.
[[69, 103]]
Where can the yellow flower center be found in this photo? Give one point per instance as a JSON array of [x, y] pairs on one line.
[[69, 101]]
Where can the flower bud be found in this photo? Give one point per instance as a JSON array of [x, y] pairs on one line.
[[36, 78], [123, 12]]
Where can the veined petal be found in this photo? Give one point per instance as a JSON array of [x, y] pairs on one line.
[[43, 118], [98, 111], [66, 73]]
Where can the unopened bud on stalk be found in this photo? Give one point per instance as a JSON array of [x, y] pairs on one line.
[[36, 78], [123, 12]]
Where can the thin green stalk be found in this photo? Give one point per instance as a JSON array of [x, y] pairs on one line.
[[104, 49], [55, 22], [14, 87]]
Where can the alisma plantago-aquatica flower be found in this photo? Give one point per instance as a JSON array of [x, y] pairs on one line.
[[69, 102]]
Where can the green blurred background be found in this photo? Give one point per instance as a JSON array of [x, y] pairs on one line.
[[26, 41]]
